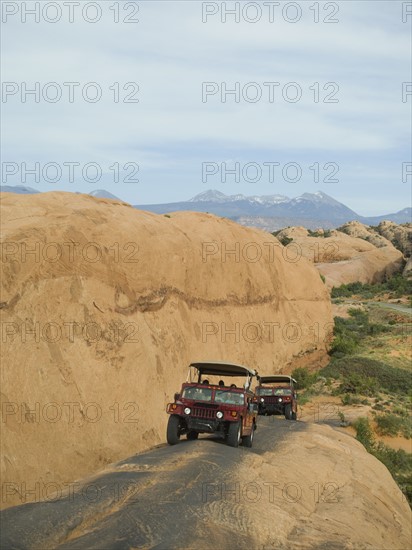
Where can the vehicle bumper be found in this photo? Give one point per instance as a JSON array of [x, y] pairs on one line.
[[272, 408], [204, 425]]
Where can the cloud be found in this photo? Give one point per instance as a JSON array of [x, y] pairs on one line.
[[170, 131]]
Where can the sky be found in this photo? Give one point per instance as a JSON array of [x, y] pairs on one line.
[[134, 98]]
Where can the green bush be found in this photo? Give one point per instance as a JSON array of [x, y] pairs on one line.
[[396, 284], [398, 462], [348, 332], [391, 379], [393, 460], [325, 233], [388, 424], [399, 284], [348, 399], [401, 411], [304, 378], [343, 345], [392, 425], [357, 383], [364, 432], [286, 240]]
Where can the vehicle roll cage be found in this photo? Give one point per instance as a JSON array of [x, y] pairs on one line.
[[197, 372], [276, 379]]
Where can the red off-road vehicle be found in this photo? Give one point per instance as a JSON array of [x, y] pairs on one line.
[[216, 406], [277, 395]]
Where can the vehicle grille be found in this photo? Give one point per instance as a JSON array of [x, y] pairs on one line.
[[202, 412], [271, 399]]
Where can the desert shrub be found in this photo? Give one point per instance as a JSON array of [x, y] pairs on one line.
[[325, 233], [407, 428], [343, 345], [399, 284], [401, 411], [285, 240], [348, 399], [388, 424], [353, 288], [348, 332], [357, 383], [377, 328], [391, 379], [398, 462], [304, 378], [393, 424], [364, 432], [396, 284]]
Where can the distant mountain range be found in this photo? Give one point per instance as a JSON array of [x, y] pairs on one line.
[[273, 212], [270, 212]]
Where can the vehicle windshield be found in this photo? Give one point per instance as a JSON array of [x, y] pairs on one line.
[[283, 391], [264, 391], [229, 397], [198, 394]]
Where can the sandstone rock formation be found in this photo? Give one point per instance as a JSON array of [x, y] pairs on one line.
[[103, 307], [326, 492], [348, 255], [407, 271], [399, 235]]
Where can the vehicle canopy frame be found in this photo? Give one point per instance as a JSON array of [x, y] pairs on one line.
[[199, 369], [276, 379]]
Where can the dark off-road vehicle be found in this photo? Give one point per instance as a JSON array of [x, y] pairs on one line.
[[277, 395], [220, 407]]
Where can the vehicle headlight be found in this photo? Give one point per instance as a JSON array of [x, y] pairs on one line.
[[219, 414], [262, 400], [280, 400], [187, 410]]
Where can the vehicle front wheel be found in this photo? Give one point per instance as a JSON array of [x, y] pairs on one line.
[[247, 441], [234, 433], [173, 431], [288, 411], [192, 435]]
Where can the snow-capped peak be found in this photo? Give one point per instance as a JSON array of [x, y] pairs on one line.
[[103, 194], [212, 195]]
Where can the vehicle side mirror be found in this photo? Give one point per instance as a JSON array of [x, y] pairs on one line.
[[177, 396]]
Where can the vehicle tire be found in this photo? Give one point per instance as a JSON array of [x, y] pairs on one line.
[[234, 433], [294, 416], [288, 411], [173, 432], [192, 435], [247, 441]]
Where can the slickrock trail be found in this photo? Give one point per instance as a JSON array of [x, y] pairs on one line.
[[101, 319], [301, 486], [102, 308]]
